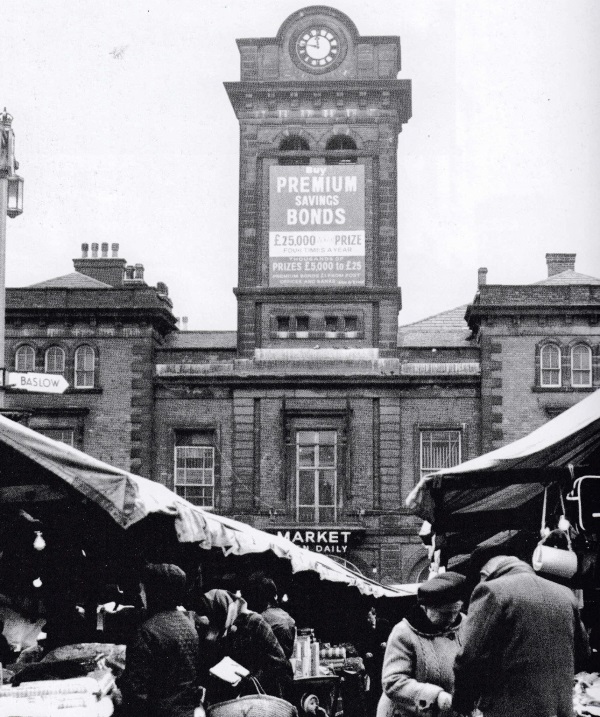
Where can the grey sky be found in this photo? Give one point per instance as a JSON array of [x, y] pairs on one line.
[[124, 133]]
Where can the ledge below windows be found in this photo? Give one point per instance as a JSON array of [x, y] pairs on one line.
[[564, 389]]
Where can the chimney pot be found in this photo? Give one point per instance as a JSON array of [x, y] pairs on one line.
[[115, 251], [129, 273], [94, 251], [104, 250], [84, 250], [162, 288], [482, 276], [558, 263], [139, 271]]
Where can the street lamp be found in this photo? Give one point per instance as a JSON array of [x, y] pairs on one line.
[[14, 200], [11, 204]]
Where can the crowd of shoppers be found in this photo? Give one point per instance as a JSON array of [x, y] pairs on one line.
[[515, 651]]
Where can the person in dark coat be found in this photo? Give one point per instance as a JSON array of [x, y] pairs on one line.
[[162, 666], [231, 630], [263, 598], [371, 643], [523, 643]]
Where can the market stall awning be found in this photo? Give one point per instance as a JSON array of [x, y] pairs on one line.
[[128, 499], [498, 488]]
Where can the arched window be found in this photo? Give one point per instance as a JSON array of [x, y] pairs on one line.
[[54, 360], [294, 143], [25, 358], [340, 142], [85, 364], [581, 365], [550, 373]]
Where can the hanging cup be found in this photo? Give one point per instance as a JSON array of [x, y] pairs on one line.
[[554, 561]]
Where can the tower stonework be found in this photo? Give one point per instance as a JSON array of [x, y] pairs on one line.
[[320, 110]]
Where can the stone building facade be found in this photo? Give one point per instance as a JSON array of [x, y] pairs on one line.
[[318, 415]]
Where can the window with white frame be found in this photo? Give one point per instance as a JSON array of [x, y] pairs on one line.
[[581, 365], [439, 449], [195, 467], [550, 369], [85, 366], [54, 360], [64, 435], [25, 359], [316, 476]]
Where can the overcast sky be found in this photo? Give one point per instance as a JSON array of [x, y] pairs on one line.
[[124, 133]]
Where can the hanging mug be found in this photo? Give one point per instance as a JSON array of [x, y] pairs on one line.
[[555, 561]]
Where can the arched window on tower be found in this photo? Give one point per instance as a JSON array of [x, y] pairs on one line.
[[294, 143], [581, 365], [340, 142]]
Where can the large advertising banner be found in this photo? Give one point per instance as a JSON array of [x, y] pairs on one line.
[[317, 225]]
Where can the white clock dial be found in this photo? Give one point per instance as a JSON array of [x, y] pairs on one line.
[[317, 47]]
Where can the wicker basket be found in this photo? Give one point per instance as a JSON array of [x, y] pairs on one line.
[[253, 706]]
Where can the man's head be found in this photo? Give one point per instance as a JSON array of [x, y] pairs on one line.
[[164, 586], [441, 598], [261, 592]]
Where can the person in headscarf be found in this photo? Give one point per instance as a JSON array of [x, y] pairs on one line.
[[228, 628], [419, 657], [162, 666]]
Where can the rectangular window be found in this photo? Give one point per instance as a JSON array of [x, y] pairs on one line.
[[316, 476], [439, 449], [331, 323], [283, 323], [195, 468], [350, 323], [64, 435], [301, 323]]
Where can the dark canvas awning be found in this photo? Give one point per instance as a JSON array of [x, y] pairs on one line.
[[503, 489], [27, 457]]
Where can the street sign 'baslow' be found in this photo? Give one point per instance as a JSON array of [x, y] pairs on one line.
[[37, 382]]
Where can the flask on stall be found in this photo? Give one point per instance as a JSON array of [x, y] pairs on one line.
[[314, 659]]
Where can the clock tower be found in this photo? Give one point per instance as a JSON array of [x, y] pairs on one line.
[[320, 109]]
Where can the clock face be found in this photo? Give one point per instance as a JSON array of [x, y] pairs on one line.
[[317, 47]]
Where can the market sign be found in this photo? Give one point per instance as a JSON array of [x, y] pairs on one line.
[[317, 225], [335, 541], [37, 382]]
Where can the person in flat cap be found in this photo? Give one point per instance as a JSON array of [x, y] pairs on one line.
[[162, 668], [417, 673]]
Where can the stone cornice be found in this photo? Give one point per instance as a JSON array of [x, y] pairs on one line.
[[319, 294], [322, 98]]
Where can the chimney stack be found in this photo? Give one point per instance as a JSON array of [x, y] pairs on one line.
[[105, 268], [558, 263], [481, 277]]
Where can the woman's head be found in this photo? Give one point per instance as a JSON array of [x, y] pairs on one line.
[[220, 608], [441, 598]]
